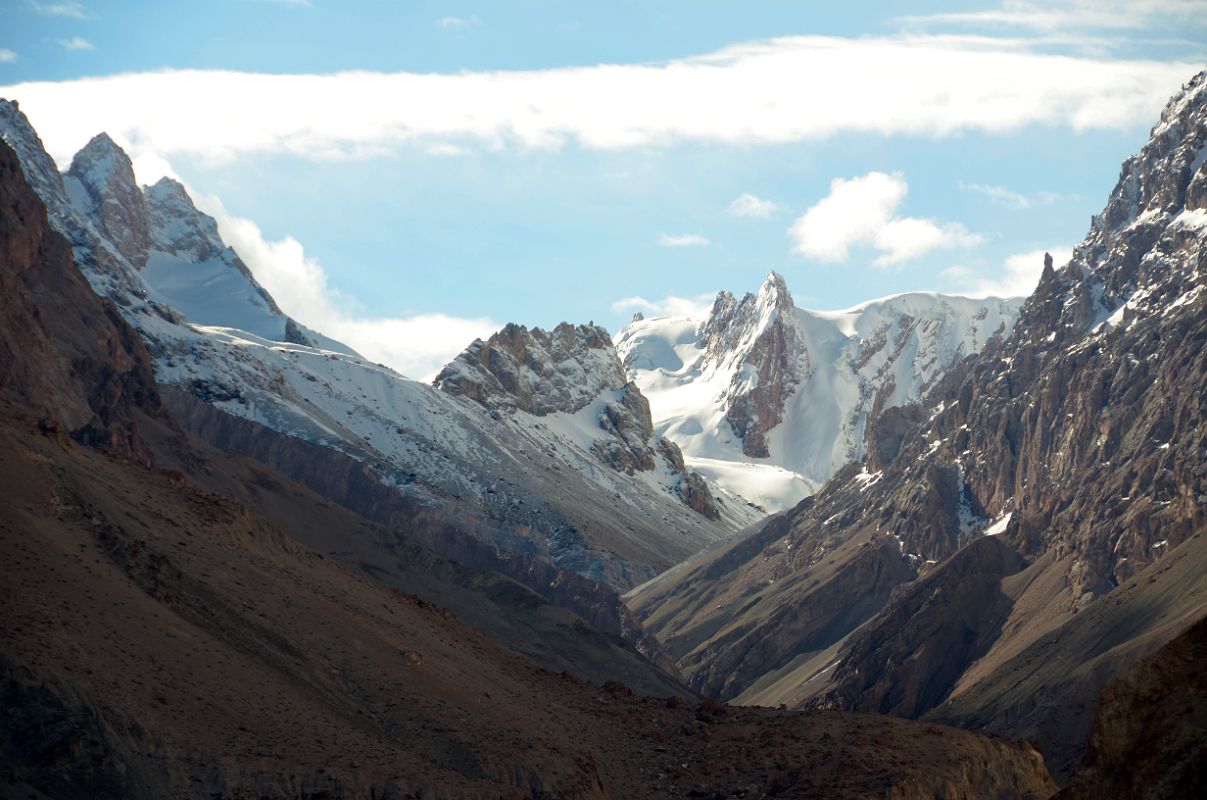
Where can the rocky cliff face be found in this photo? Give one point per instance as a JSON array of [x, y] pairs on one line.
[[758, 342], [574, 370], [770, 400], [536, 371], [90, 379], [1076, 443], [101, 182]]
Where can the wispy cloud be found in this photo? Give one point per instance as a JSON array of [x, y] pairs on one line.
[[670, 306], [458, 22], [1063, 15], [747, 205], [682, 240], [76, 44], [1016, 277], [1007, 198], [73, 10], [7, 56], [746, 94], [863, 211]]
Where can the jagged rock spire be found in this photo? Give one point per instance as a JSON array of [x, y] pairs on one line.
[[116, 204]]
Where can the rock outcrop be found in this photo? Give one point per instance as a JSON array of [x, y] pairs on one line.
[[574, 370], [101, 182], [537, 371], [758, 341]]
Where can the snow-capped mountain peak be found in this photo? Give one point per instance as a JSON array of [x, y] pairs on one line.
[[101, 184], [769, 400]]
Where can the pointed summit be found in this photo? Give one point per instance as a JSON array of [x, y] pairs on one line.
[[101, 184], [41, 173], [178, 227], [774, 293]]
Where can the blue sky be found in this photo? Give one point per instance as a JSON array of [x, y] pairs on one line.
[[406, 176]]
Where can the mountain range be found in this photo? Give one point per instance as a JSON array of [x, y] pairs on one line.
[[241, 547]]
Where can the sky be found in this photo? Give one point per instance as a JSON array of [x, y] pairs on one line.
[[409, 176]]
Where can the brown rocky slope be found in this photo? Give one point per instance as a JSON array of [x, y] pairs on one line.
[[1150, 733]]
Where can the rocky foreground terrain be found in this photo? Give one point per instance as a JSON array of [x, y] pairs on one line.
[[161, 639], [1033, 527]]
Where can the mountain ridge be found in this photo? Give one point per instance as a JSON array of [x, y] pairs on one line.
[[761, 392]]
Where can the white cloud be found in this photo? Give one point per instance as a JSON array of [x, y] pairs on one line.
[[417, 345], [7, 56], [749, 93], [863, 211], [670, 306], [747, 205], [76, 43], [73, 10], [682, 240], [1017, 277]]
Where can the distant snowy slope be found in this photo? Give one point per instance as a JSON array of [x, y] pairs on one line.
[[533, 485], [769, 400]]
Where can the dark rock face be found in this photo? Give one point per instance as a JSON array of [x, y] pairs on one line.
[[886, 431], [916, 651], [1150, 733], [834, 607], [761, 330], [63, 350], [698, 497], [116, 204], [630, 428]]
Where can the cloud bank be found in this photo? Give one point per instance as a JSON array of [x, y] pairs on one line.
[[417, 345], [863, 211], [926, 85]]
